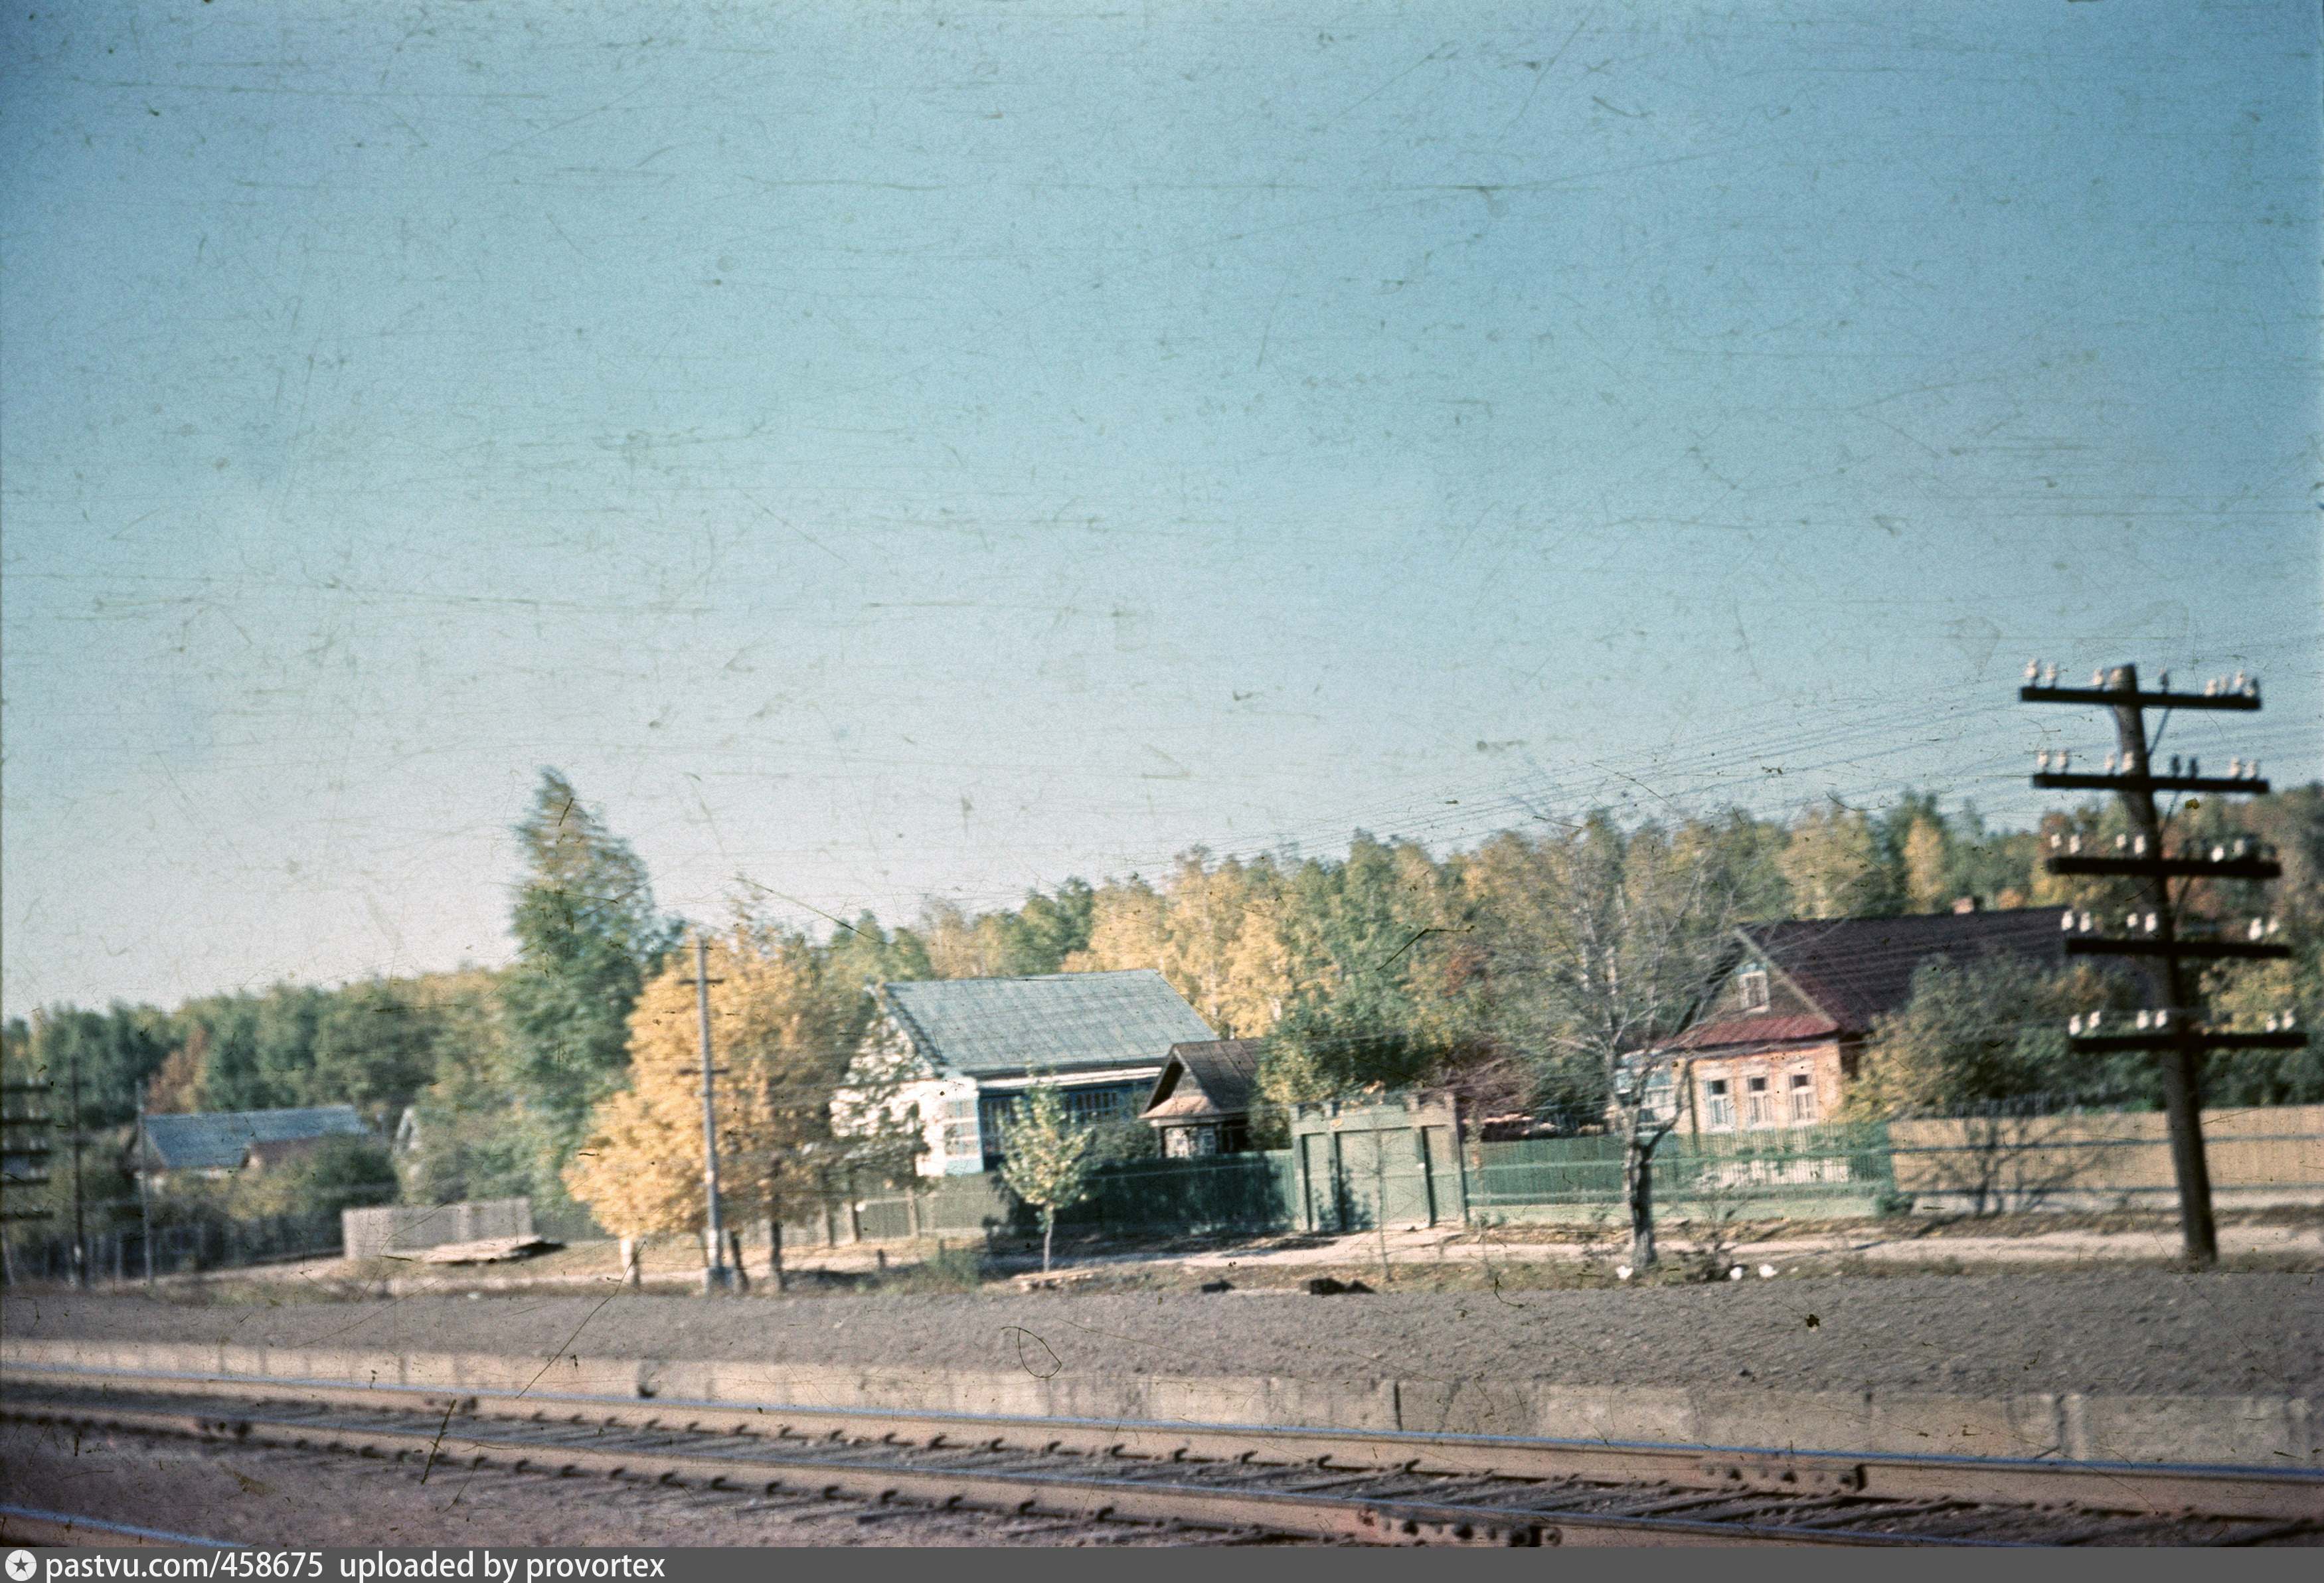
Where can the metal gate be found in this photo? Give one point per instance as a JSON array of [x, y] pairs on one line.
[[1394, 1162]]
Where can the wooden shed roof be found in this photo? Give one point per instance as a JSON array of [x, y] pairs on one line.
[[1205, 1080]]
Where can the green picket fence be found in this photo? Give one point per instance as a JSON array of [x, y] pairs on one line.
[[1838, 1168]]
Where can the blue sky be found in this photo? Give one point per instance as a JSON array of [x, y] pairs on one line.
[[891, 451]]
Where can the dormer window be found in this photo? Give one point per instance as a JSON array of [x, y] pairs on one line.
[[1752, 985]]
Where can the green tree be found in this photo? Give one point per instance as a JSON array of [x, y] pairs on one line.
[[1048, 1157], [469, 1138], [587, 938], [373, 1048], [259, 1049], [1839, 865], [111, 1051], [340, 1173], [1993, 1031]]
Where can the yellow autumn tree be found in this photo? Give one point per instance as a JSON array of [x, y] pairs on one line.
[[782, 1029], [1215, 931], [1928, 877], [1833, 866], [1129, 928]]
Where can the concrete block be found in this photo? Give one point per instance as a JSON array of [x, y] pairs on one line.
[[1591, 1412], [2261, 1429], [1204, 1399], [375, 1369], [1014, 1392], [1466, 1406], [1330, 1403], [431, 1371], [789, 1385], [41, 1354], [1956, 1426], [1103, 1398], [678, 1379], [591, 1376], [249, 1362], [1800, 1422], [491, 1371]]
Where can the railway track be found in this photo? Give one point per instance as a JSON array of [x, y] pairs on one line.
[[1213, 1480]]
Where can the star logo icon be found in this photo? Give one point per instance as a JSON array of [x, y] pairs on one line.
[[21, 1566]]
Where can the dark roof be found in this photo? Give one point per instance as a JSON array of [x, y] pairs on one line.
[[1206, 1077], [1057, 1022], [221, 1141], [1854, 970]]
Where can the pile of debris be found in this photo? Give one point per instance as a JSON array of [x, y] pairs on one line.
[[491, 1250]]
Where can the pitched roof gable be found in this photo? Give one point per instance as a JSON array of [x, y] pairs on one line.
[[1056, 1021], [222, 1139], [1212, 1077], [1854, 970]]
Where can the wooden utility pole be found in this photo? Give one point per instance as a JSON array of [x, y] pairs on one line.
[[81, 1226], [714, 1274], [144, 1192], [2179, 1037], [24, 1156]]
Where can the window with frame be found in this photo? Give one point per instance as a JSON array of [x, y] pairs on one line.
[[995, 1111], [1804, 1096], [1088, 1106], [1752, 986], [1759, 1103], [1718, 1103], [1190, 1143]]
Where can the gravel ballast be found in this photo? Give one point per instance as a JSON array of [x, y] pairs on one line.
[[2134, 1333]]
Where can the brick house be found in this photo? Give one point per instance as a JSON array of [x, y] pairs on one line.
[[1777, 1043]]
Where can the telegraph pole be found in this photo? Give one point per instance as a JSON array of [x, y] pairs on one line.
[[714, 1274], [24, 1162], [2179, 1036], [80, 1228], [144, 1192]]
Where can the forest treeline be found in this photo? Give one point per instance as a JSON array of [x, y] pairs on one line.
[[1385, 964]]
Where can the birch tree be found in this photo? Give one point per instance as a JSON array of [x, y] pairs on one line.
[[1048, 1159], [1605, 943]]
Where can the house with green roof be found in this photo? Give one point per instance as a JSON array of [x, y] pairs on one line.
[[962, 1050], [220, 1142]]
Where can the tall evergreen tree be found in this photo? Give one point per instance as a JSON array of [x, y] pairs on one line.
[[587, 938]]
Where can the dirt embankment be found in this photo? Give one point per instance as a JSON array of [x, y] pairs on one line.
[[2130, 1333]]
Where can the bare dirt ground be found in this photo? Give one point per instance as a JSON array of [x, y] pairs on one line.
[[284, 1498], [2130, 1331]]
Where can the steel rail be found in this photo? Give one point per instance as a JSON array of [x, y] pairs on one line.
[[2241, 1492], [1048, 1492], [36, 1525]]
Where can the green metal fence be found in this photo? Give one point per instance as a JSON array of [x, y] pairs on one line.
[[1832, 1170], [1226, 1192], [1836, 1169]]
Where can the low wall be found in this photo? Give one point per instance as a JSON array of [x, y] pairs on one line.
[[2247, 1430], [409, 1228], [2256, 1156]]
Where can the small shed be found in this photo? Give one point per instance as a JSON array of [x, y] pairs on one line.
[[1201, 1103]]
